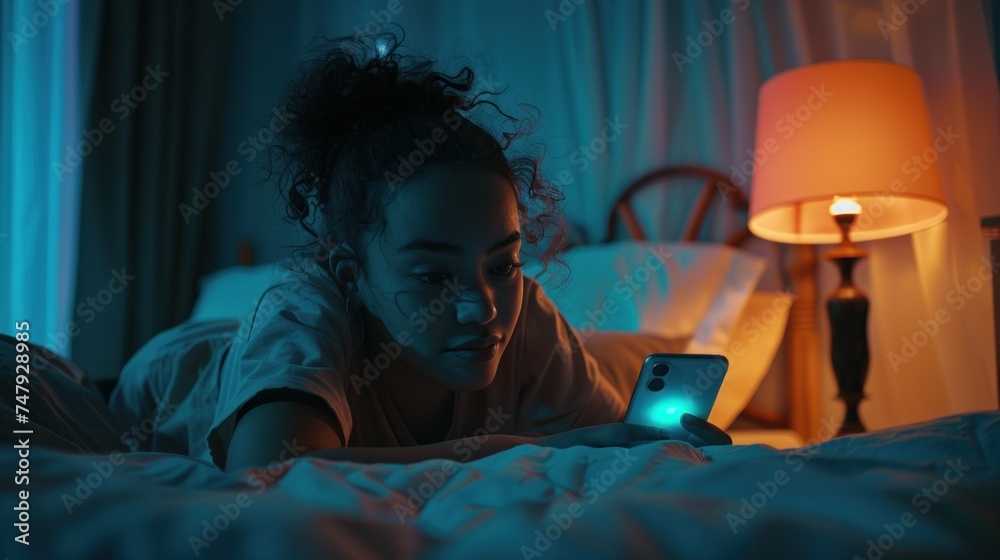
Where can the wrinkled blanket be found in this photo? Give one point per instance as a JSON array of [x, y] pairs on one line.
[[929, 490]]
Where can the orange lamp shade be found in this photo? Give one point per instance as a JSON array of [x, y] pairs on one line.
[[856, 128]]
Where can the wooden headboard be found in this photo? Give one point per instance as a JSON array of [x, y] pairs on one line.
[[801, 344]]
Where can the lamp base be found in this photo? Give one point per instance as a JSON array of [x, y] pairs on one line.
[[848, 311]]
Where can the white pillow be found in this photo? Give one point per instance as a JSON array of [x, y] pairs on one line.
[[230, 293], [674, 290], [753, 344]]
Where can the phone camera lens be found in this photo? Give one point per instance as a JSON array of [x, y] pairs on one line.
[[660, 370], [655, 384]]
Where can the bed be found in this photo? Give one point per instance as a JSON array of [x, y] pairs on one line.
[[126, 481]]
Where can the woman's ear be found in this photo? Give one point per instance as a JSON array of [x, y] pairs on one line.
[[343, 264], [345, 272]]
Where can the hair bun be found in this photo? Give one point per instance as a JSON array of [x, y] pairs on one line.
[[364, 116]]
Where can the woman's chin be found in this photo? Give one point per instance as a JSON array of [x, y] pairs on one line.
[[471, 378]]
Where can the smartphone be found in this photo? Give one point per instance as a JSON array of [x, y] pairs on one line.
[[670, 385]]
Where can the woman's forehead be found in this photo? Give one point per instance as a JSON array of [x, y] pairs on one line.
[[465, 208]]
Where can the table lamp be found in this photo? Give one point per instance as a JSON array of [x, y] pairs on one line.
[[844, 152]]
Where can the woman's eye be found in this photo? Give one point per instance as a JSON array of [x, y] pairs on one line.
[[508, 270], [432, 277]]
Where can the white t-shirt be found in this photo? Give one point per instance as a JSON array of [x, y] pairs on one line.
[[300, 337]]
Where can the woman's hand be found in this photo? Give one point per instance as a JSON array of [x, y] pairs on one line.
[[702, 432], [698, 433]]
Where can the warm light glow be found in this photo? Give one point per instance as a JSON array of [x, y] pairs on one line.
[[855, 127], [844, 205]]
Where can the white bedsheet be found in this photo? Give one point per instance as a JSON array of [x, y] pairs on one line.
[[834, 500]]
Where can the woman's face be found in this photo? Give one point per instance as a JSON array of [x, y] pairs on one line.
[[442, 279]]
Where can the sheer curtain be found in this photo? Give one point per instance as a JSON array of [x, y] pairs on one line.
[[40, 101], [939, 273]]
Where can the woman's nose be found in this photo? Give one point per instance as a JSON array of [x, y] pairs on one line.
[[475, 305]]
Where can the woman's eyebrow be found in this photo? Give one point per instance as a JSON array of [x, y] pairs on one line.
[[439, 247]]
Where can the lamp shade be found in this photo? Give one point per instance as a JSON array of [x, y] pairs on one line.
[[856, 128]]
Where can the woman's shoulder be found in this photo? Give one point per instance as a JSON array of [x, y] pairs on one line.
[[302, 277], [300, 291]]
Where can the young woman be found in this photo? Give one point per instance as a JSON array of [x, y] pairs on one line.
[[415, 335]]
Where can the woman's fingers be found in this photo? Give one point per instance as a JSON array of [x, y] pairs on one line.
[[708, 433], [606, 435], [696, 431]]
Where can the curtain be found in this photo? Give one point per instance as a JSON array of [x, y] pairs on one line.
[[39, 126], [931, 292], [156, 97]]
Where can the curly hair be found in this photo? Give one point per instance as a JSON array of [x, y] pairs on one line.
[[361, 107]]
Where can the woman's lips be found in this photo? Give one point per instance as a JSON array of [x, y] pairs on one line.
[[476, 356]]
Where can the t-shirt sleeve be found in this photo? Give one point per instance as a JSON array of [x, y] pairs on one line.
[[562, 385], [299, 337]]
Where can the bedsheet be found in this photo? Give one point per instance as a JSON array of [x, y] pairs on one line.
[[929, 490]]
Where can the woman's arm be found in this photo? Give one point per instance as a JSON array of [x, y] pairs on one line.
[[280, 431], [283, 430], [465, 449]]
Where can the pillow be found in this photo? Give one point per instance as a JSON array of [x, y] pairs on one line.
[[231, 292], [63, 413], [753, 344], [620, 355], [690, 291]]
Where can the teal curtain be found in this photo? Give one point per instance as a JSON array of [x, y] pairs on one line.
[[40, 118], [155, 99]]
